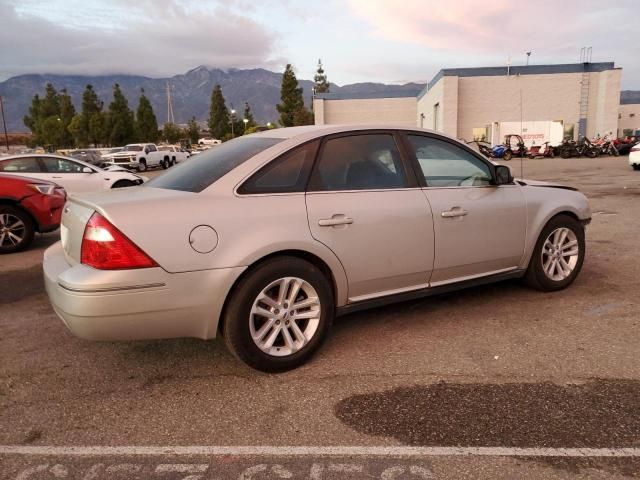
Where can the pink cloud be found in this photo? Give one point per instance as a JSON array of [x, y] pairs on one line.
[[489, 26]]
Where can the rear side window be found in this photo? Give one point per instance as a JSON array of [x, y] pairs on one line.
[[20, 165], [359, 162], [204, 169], [286, 174]]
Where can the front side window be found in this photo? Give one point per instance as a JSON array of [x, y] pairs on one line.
[[286, 174], [446, 165], [60, 165], [359, 162], [151, 148], [20, 165], [207, 167]]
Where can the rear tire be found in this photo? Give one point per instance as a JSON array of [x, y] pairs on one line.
[[636, 166], [285, 337], [16, 229], [551, 267]]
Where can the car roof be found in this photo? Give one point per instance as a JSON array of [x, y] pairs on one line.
[[310, 131], [49, 155]]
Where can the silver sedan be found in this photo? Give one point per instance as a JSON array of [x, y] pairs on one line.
[[266, 238]]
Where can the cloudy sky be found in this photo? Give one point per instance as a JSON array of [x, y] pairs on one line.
[[358, 40]]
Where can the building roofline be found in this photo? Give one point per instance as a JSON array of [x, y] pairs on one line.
[[367, 95], [517, 70]]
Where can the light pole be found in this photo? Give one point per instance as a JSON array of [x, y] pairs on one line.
[[233, 116], [4, 124], [245, 120]]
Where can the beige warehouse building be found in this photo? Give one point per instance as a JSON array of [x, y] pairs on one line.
[[543, 102]]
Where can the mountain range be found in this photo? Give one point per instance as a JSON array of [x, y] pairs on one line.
[[191, 92]]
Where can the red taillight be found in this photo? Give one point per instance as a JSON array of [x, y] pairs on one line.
[[107, 248]]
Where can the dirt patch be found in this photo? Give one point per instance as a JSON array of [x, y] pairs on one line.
[[602, 413], [16, 285]]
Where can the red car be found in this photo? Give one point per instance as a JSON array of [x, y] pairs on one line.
[[27, 205]]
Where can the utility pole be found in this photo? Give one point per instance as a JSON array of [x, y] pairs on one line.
[[4, 124], [170, 117]]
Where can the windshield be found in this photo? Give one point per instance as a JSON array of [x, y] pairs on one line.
[[132, 148], [207, 167]]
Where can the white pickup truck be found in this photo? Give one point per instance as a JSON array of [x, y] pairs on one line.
[[173, 154], [140, 157]]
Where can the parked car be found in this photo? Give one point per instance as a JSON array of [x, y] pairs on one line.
[[89, 156], [267, 237], [624, 145], [74, 175], [173, 154], [634, 157], [27, 205], [138, 156]]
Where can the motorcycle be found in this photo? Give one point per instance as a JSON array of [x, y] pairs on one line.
[[571, 148]]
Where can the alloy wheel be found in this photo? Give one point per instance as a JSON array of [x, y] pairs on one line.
[[285, 316], [12, 230], [560, 254]]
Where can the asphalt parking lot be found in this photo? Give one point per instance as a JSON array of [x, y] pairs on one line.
[[444, 388]]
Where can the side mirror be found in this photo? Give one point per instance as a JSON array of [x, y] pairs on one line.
[[503, 175], [87, 170]]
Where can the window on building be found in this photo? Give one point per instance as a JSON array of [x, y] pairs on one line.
[[631, 115], [569, 131], [436, 110], [482, 134]]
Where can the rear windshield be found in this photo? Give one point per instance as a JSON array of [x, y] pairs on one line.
[[205, 168]]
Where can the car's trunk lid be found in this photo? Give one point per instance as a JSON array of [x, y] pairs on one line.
[[79, 209]]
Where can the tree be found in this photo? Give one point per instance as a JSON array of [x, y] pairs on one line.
[[146, 123], [90, 110], [50, 117], [248, 115], [320, 79], [171, 132], [290, 97], [121, 125], [218, 114], [193, 130], [303, 117], [66, 114]]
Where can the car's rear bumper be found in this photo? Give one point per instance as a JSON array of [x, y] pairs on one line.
[[135, 304]]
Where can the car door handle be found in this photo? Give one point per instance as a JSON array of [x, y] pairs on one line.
[[335, 220], [53, 176], [454, 212]]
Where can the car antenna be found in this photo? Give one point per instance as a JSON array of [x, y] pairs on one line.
[[521, 136]]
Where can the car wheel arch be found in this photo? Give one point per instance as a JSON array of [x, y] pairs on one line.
[[17, 204], [315, 260], [533, 238]]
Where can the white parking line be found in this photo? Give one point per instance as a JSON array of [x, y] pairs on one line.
[[311, 451]]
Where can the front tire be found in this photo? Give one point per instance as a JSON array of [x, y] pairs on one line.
[[508, 155], [279, 314], [16, 229], [123, 184], [142, 166], [558, 255]]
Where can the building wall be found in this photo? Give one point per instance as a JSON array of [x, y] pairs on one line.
[[398, 111], [604, 103], [627, 121], [485, 100], [444, 94]]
